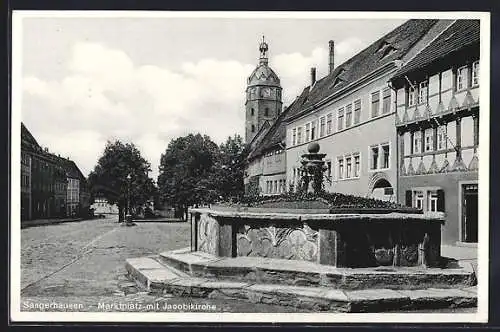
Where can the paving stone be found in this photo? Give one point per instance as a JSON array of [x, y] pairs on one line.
[[181, 250], [302, 291], [472, 289], [228, 293], [437, 293], [187, 258], [159, 275], [224, 284], [191, 282], [142, 263], [374, 295], [335, 294]]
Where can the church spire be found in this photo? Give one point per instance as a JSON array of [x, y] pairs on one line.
[[263, 48]]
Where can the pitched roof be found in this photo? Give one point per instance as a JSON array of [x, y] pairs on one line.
[[461, 34], [70, 167], [28, 142], [276, 134], [390, 47]]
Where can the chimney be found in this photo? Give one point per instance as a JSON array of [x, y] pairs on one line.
[[313, 75], [331, 57]]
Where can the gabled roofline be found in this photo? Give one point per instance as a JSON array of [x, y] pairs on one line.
[[340, 93]]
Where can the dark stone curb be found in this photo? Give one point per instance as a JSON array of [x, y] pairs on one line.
[[161, 279]]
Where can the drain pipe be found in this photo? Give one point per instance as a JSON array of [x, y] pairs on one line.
[[398, 159]]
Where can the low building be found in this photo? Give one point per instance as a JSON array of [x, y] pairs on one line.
[[77, 193], [101, 206], [438, 130]]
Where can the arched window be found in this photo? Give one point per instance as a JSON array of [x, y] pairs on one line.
[[253, 128], [266, 112], [252, 112]]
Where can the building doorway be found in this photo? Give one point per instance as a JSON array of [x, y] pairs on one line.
[[470, 213], [383, 190]]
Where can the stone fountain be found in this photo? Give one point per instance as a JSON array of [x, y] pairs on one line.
[[314, 243]]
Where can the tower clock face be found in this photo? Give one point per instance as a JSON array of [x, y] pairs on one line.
[[266, 92]]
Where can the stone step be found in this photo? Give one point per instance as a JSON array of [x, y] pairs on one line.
[[161, 278], [303, 273]]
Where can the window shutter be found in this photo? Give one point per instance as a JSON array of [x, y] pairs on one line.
[[408, 198], [440, 201]]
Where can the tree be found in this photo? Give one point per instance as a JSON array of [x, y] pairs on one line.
[[187, 172], [110, 177], [232, 168]]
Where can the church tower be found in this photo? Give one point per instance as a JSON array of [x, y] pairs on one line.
[[263, 95]]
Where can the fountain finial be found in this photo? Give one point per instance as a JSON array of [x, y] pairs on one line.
[[313, 168]]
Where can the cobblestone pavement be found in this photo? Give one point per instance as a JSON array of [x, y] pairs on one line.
[[83, 264]]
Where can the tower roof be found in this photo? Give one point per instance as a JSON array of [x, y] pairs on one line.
[[263, 74]]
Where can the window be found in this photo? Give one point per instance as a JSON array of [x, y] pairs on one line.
[[266, 111], [357, 111], [417, 142], [386, 100], [314, 124], [419, 200], [253, 112], [322, 122], [461, 78], [426, 199], [341, 168], [429, 140], [348, 115], [348, 163], [329, 124], [385, 155], [299, 135], [441, 138], [356, 166], [422, 92], [374, 157], [253, 128], [411, 96], [432, 199], [294, 136], [375, 103], [380, 156], [475, 73], [308, 132], [340, 124], [329, 169]]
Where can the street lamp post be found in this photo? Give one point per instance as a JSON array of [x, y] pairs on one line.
[[128, 216]]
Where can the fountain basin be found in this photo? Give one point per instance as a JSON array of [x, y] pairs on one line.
[[335, 239]]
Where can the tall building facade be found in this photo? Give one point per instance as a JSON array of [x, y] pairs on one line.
[[438, 130], [47, 181], [25, 185], [351, 114]]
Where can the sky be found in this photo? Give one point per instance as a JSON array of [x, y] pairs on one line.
[[87, 80]]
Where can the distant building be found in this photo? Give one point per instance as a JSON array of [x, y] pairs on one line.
[[438, 130], [77, 192], [101, 206]]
